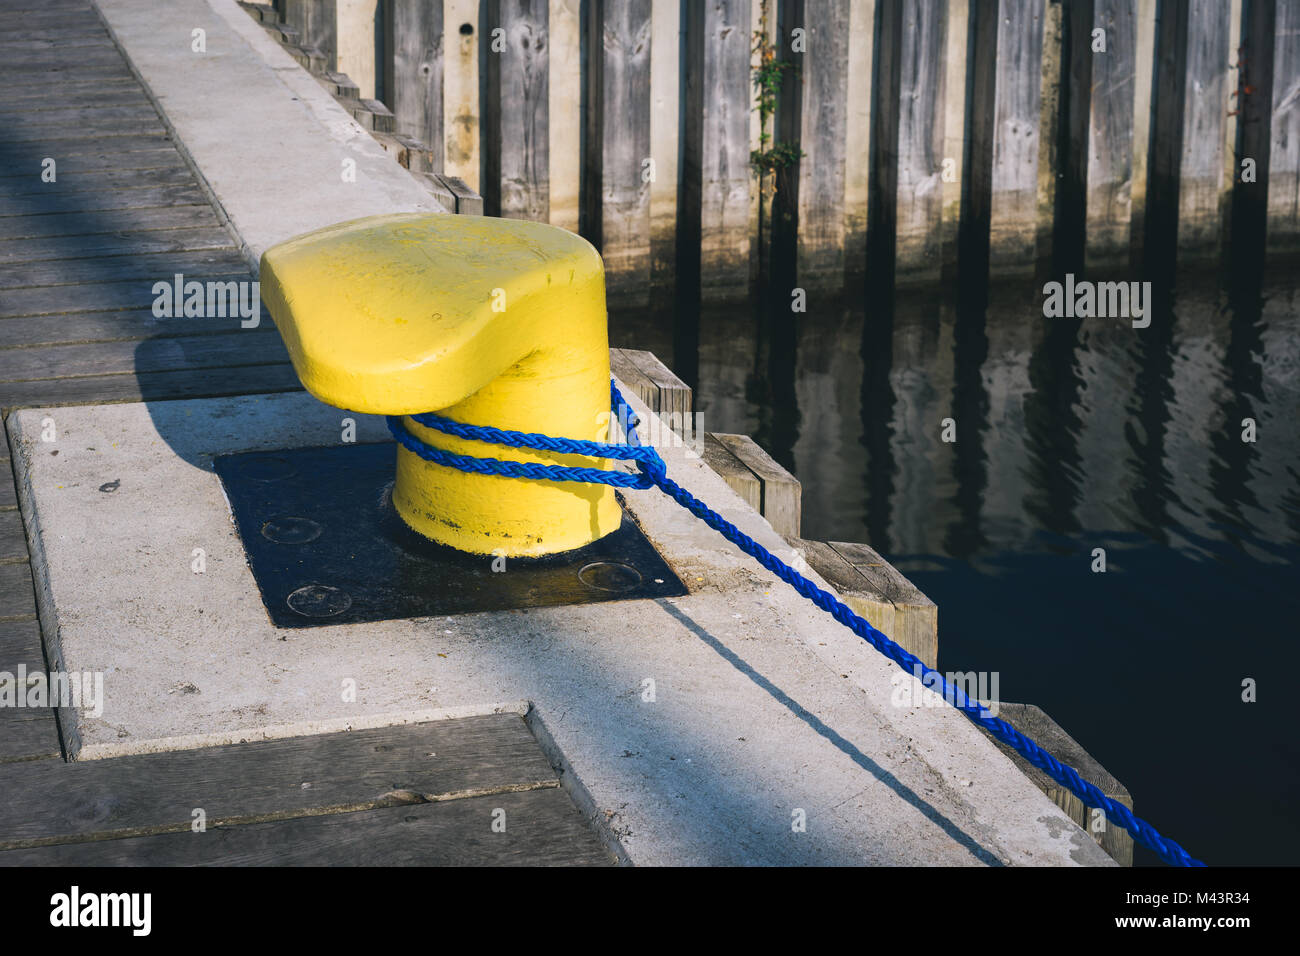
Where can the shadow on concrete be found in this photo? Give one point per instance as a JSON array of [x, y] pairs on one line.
[[857, 756]]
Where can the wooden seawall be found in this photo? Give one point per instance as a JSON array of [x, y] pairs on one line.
[[1009, 131]]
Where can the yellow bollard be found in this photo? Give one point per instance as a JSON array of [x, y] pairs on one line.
[[487, 321]]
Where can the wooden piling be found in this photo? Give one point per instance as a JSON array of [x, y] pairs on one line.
[[715, 178], [564, 88], [1249, 162], [973, 233], [515, 111], [780, 496], [875, 590], [1013, 221], [993, 133], [1144, 91], [665, 131], [857, 138], [1284, 149], [824, 125], [1112, 138], [316, 25], [883, 157], [956, 37], [1034, 723], [615, 205], [921, 115], [460, 90], [357, 22], [1210, 31], [413, 70]]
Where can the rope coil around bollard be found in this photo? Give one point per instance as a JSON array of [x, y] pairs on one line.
[[654, 473]]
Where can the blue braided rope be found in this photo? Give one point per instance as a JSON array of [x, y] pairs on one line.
[[653, 471]]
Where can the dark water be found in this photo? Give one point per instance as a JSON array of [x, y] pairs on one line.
[[1070, 435]]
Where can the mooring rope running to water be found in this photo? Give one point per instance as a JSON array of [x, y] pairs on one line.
[[654, 473]]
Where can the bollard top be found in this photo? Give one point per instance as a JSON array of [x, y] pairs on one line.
[[407, 313]]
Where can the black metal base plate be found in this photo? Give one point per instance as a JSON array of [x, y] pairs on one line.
[[327, 547]]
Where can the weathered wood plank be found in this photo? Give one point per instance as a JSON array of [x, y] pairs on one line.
[[627, 372], [76, 202], [1284, 141], [1160, 207], [21, 93], [1205, 107], [413, 69], [1060, 218], [248, 347], [782, 494], [340, 85], [1014, 200], [956, 77], [92, 296], [919, 250], [127, 163], [87, 28], [1249, 159], [916, 618], [716, 179], [516, 147], [974, 221], [672, 395], [63, 143], [153, 793], [20, 641], [615, 184], [11, 43], [857, 134], [150, 387], [13, 543], [97, 180], [28, 735], [53, 59], [460, 90], [1111, 132], [865, 596], [733, 471], [46, 16], [26, 124], [315, 22], [23, 83], [17, 600], [824, 128], [420, 156], [543, 828], [433, 182], [1034, 723], [91, 97], [153, 266], [381, 118], [96, 223], [81, 327], [113, 244], [564, 120], [468, 202], [8, 493], [666, 90]]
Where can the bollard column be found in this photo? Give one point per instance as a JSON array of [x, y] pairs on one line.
[[492, 322]]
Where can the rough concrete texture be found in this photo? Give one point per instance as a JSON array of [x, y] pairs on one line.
[[763, 706], [270, 145]]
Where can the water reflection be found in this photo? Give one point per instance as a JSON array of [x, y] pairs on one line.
[[1070, 435]]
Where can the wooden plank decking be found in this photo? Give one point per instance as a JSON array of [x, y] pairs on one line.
[[418, 794], [78, 260]]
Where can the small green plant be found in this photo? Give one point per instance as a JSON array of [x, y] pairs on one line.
[[769, 74]]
